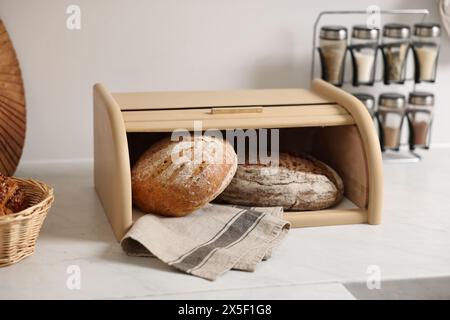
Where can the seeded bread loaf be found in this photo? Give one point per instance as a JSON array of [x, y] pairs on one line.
[[298, 183], [175, 178]]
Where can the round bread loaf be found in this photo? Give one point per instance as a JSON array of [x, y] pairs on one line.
[[298, 183], [174, 178]]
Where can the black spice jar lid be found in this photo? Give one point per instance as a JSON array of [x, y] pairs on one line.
[[392, 100], [396, 30], [333, 33], [421, 98], [367, 99], [428, 30], [365, 32]]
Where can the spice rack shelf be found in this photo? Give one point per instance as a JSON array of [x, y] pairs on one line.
[[325, 121], [422, 12], [389, 156]]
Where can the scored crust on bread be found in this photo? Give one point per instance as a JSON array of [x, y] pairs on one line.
[[297, 183], [165, 187], [307, 163]]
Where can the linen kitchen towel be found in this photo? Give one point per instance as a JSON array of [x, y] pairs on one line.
[[210, 241]]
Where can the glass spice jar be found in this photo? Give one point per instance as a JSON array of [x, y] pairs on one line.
[[425, 44], [363, 49], [368, 100], [332, 50], [420, 118], [395, 46], [391, 111]]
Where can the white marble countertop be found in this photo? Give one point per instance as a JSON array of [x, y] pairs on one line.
[[412, 242]]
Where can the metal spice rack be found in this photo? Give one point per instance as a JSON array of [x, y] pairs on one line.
[[388, 156]]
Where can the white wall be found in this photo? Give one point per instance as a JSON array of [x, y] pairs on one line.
[[165, 45]]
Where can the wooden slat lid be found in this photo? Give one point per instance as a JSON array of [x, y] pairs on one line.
[[203, 99]]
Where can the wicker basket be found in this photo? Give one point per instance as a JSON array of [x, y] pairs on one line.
[[19, 231]]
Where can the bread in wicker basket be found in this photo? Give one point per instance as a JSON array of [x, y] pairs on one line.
[[20, 230]]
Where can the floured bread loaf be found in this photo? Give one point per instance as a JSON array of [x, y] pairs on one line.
[[299, 183], [175, 178]]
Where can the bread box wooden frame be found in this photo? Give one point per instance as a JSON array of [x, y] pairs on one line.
[[342, 128]]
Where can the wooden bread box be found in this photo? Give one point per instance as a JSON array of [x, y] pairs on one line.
[[324, 121]]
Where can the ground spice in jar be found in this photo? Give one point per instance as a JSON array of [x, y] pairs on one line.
[[425, 44], [420, 115], [333, 56], [426, 57], [420, 132], [391, 113], [395, 59], [365, 63], [395, 49], [391, 136], [364, 48], [333, 48]]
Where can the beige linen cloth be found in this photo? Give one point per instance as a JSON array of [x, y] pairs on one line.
[[210, 241]]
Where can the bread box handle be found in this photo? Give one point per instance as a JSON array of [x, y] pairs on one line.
[[229, 110]]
